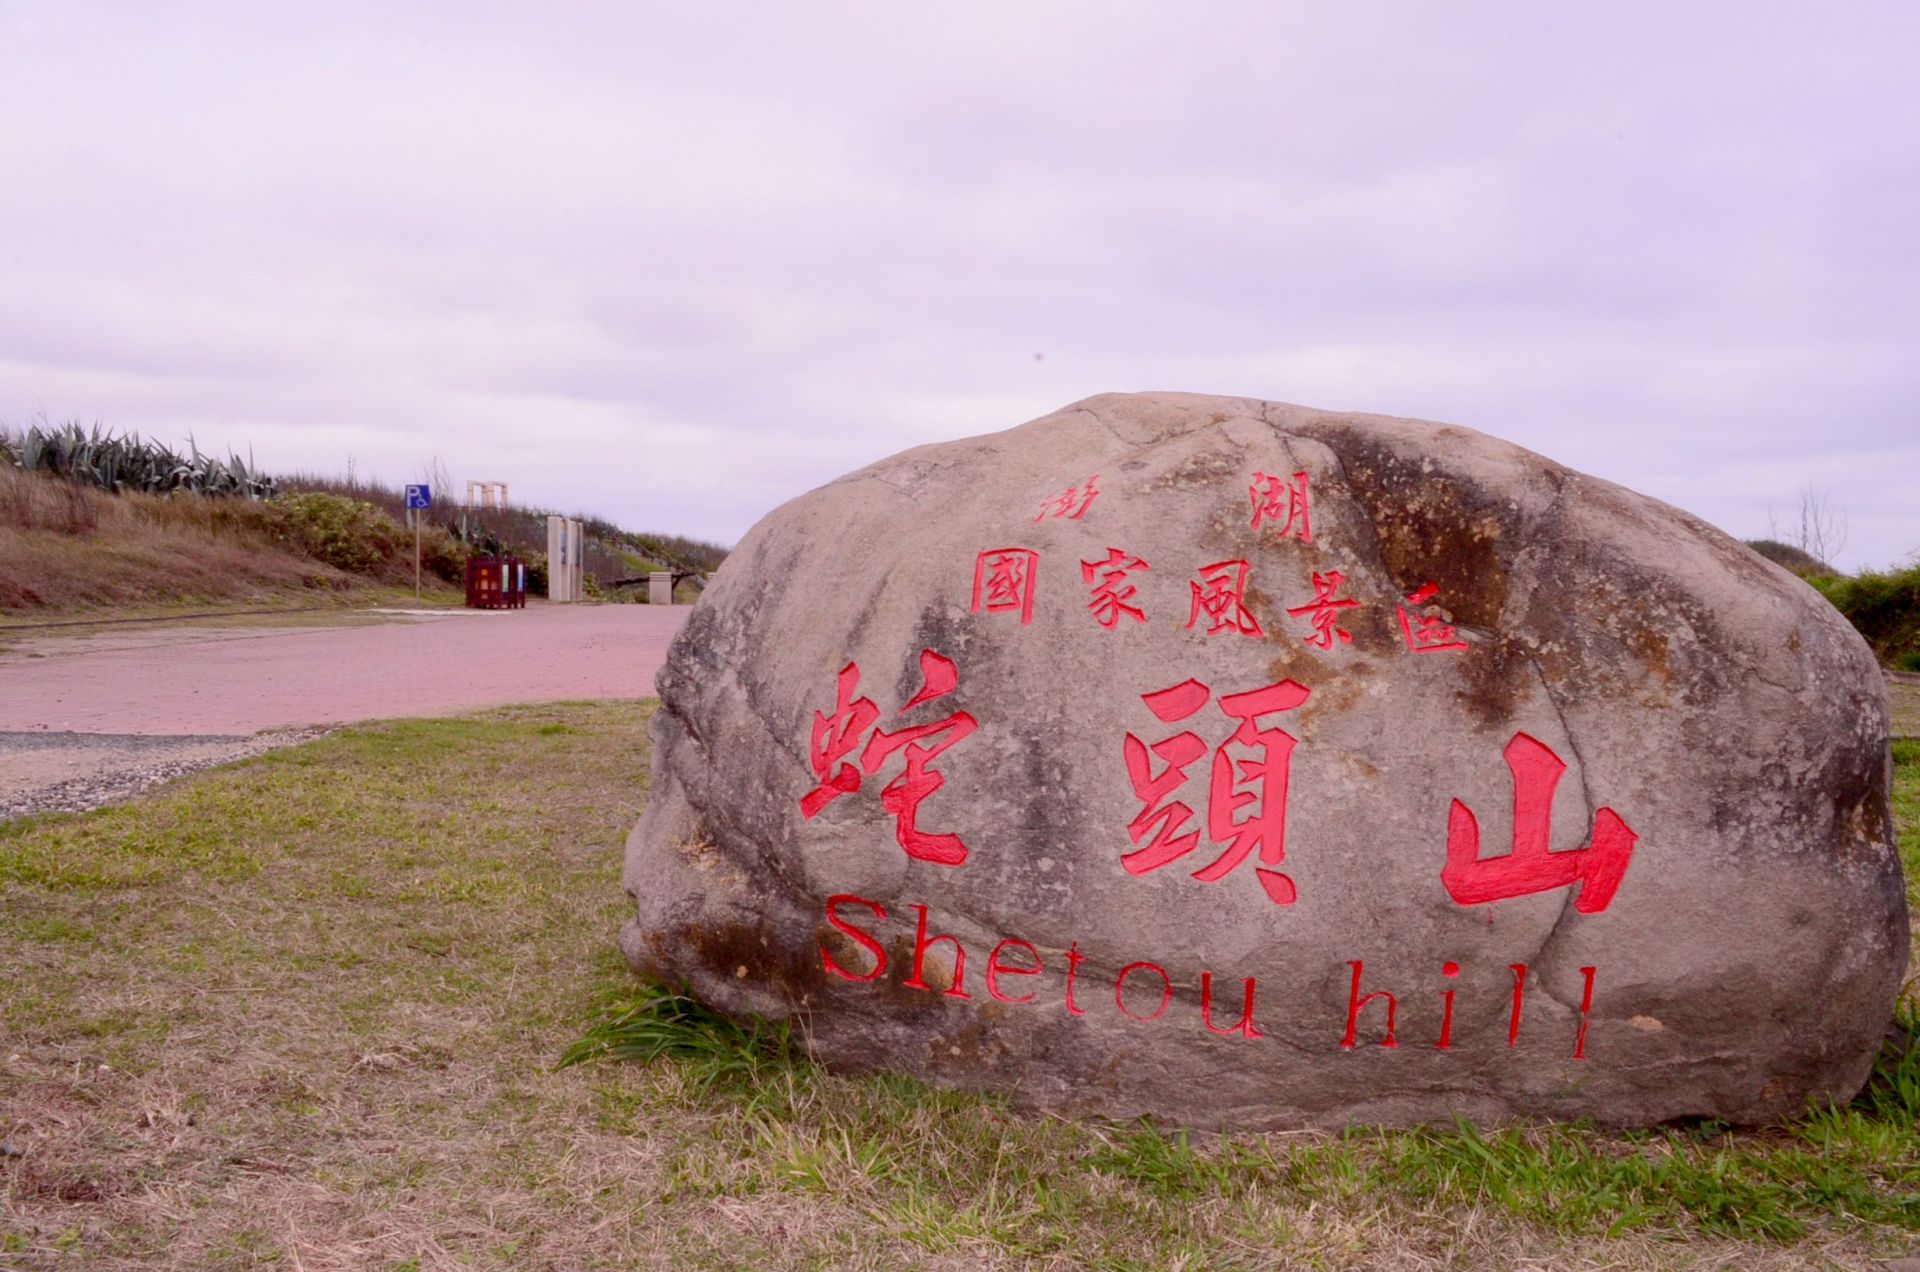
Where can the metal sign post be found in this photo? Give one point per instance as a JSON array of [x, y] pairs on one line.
[[419, 499]]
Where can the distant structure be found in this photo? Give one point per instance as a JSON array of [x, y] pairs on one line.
[[487, 494], [566, 551]]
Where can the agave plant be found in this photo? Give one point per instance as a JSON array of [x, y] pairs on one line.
[[98, 457]]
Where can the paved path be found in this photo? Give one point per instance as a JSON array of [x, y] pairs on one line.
[[179, 680], [148, 703]]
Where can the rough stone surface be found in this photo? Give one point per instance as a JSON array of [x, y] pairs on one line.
[[1727, 717]]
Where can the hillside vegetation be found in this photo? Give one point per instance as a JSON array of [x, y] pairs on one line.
[[1883, 605], [121, 462], [612, 554], [69, 548], [91, 520]]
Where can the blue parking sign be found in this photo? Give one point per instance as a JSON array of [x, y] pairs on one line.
[[419, 497]]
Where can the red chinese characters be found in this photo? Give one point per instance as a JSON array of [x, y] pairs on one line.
[[1218, 594], [1249, 775], [837, 736], [1164, 820], [1071, 503], [1425, 633], [1112, 592], [1325, 608], [1531, 867], [1003, 581], [1283, 502]]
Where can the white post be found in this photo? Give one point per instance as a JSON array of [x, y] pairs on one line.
[[660, 588], [578, 587], [557, 572]]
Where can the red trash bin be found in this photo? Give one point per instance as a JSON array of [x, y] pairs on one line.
[[496, 582]]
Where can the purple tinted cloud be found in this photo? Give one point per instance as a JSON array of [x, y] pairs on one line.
[[582, 247]]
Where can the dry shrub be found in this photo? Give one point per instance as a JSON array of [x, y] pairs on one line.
[[240, 521], [1785, 555], [28, 502], [46, 571]]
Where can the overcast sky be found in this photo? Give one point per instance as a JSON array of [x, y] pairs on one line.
[[675, 263]]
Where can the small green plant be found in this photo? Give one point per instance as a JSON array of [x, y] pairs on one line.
[[655, 1023], [1892, 1094], [1168, 1166]]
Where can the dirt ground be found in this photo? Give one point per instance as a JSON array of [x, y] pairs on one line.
[[90, 715], [1904, 693]]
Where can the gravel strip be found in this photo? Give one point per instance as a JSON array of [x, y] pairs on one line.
[[49, 772]]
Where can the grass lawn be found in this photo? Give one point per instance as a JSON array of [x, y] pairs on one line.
[[304, 1012]]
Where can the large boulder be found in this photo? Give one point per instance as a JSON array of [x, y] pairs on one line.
[[1248, 765]]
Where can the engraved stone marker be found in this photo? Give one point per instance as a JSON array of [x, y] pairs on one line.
[[1254, 766]]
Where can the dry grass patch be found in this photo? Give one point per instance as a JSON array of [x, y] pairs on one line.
[[70, 548], [1905, 697], [304, 1012]]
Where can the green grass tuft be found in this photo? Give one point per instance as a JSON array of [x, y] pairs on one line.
[[655, 1023]]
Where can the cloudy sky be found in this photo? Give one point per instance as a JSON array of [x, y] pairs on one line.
[[676, 263]]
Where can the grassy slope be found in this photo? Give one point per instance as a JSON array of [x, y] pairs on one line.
[[610, 552], [71, 550], [302, 1012]]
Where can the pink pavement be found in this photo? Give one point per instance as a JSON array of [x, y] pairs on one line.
[[241, 680]]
